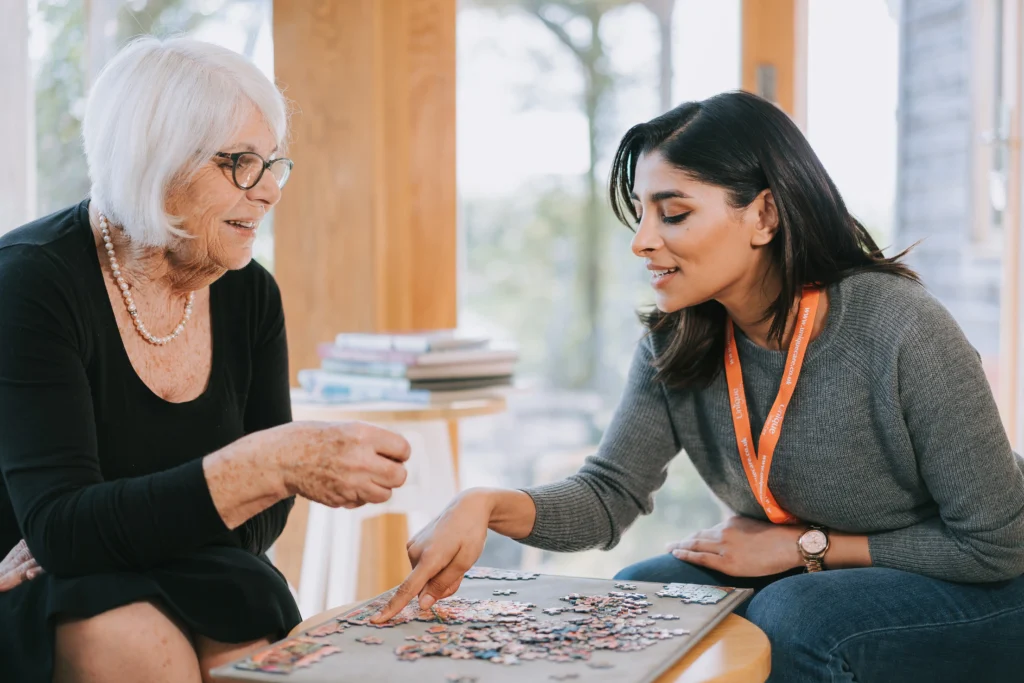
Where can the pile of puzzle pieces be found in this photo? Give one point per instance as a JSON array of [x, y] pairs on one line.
[[505, 632]]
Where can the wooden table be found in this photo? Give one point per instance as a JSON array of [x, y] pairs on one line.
[[384, 412], [383, 561], [736, 651]]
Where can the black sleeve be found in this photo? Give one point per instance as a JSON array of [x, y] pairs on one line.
[[269, 401], [73, 521]]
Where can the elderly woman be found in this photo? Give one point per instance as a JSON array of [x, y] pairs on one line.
[[148, 454]]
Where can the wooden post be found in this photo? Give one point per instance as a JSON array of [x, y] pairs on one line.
[[365, 235], [774, 53]]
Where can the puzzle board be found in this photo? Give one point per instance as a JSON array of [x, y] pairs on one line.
[[503, 630]]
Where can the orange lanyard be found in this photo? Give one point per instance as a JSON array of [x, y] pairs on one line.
[[758, 465]]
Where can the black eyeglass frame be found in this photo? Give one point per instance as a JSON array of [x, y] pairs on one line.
[[234, 157]]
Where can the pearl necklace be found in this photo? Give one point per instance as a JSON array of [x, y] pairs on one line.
[[126, 292]]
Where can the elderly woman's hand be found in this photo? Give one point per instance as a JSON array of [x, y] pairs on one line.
[[17, 567], [338, 464], [344, 464]]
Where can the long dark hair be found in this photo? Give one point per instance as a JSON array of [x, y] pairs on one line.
[[746, 144]]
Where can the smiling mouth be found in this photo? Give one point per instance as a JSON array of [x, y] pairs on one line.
[[658, 274], [243, 225]]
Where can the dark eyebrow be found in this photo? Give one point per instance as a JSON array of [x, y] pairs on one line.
[[662, 196], [669, 194]]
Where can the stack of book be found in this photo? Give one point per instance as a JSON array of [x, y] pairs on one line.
[[412, 368]]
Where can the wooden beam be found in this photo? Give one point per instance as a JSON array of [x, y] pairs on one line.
[[365, 235], [774, 53]]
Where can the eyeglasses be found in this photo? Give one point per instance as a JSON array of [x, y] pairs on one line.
[[247, 169]]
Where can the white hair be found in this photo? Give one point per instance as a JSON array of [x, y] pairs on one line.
[[158, 111]]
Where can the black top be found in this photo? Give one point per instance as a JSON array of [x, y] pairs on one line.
[[104, 478]]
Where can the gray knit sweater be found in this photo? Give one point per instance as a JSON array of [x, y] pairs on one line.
[[892, 432]]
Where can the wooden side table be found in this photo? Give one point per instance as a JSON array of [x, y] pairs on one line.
[[736, 651], [383, 560]]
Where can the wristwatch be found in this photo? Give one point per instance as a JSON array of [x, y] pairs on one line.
[[813, 544]]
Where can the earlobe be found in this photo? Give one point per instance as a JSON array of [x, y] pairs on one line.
[[767, 219]]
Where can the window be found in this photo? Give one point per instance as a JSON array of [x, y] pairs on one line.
[[851, 105], [992, 91], [543, 97]]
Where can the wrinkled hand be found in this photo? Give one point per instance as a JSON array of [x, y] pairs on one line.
[[442, 553], [19, 566], [741, 546], [344, 464]]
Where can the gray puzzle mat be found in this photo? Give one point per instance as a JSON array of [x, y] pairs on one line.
[[359, 662]]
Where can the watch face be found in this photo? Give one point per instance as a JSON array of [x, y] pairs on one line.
[[814, 542]]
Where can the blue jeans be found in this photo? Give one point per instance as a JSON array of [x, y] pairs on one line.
[[873, 625]]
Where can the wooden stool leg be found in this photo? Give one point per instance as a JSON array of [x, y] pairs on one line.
[[290, 544], [383, 562], [453, 437]]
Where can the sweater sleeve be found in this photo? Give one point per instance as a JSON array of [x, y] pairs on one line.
[[592, 508], [73, 521], [964, 458], [269, 401]]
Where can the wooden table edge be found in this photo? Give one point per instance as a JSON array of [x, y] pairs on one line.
[[399, 412]]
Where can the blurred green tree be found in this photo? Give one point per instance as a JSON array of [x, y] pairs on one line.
[[576, 24]]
